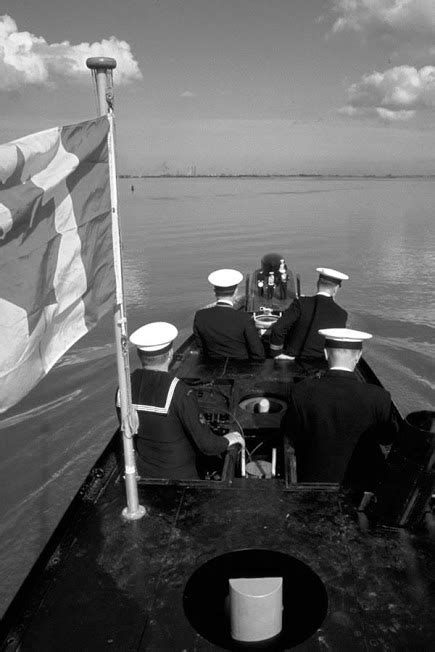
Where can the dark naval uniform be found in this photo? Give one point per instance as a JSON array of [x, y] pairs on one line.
[[295, 332], [171, 427], [223, 332], [336, 424]]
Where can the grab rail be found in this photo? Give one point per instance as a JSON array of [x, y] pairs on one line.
[[229, 468], [290, 465]]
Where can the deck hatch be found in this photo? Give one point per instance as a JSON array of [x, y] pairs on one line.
[[304, 597]]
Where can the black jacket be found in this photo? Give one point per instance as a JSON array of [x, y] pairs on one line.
[[222, 332], [329, 417], [295, 332]]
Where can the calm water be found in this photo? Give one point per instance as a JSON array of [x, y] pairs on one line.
[[176, 231]]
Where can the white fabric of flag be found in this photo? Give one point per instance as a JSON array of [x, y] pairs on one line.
[[56, 260]]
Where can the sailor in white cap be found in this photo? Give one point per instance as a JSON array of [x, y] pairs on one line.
[[283, 279], [171, 426], [295, 334], [223, 332], [336, 422]]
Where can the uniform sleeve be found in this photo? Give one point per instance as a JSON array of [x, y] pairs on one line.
[[195, 424], [254, 344], [387, 423], [283, 326], [344, 322], [197, 335], [290, 425]]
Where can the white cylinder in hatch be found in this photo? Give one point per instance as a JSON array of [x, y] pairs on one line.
[[255, 608], [263, 405]]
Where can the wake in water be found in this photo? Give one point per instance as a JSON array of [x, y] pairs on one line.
[[41, 409], [87, 354]]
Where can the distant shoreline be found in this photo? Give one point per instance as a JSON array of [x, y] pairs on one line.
[[276, 176]]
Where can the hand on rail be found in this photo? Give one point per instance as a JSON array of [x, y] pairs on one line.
[[134, 421], [283, 356], [234, 437]]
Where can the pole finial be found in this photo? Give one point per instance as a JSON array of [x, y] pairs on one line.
[[101, 63], [102, 72]]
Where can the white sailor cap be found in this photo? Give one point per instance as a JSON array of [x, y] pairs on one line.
[[225, 278], [332, 275], [154, 338], [343, 338]]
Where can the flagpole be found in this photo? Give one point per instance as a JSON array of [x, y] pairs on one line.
[[102, 68]]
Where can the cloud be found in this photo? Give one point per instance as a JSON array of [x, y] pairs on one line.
[[393, 95], [376, 112], [394, 116], [394, 17], [187, 94], [29, 59]]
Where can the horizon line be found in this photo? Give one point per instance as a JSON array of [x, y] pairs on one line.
[[278, 174]]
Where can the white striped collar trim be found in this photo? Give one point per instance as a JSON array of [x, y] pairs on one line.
[[225, 302], [152, 408], [340, 369]]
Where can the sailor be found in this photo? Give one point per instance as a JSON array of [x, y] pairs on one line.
[[172, 429], [295, 334], [270, 285], [223, 332], [336, 422], [283, 278], [260, 283]]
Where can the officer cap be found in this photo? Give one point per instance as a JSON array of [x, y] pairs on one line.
[[344, 338], [225, 278], [331, 275], [154, 338]]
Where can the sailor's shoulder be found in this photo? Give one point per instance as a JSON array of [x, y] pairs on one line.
[[136, 377], [245, 316], [184, 396], [307, 385], [340, 309], [136, 374], [180, 388], [213, 309], [377, 392], [304, 300], [135, 382], [203, 314], [294, 305]]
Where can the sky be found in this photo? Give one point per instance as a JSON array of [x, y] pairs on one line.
[[232, 86]]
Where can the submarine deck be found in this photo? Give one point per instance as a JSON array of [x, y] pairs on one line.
[[119, 585], [106, 583]]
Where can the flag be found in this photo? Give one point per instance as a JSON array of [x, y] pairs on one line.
[[56, 260]]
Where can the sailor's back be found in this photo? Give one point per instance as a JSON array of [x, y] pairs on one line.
[[295, 334], [171, 428], [332, 414], [336, 418], [309, 314], [162, 445], [222, 331]]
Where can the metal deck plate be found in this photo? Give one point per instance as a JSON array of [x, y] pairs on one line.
[[119, 585]]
